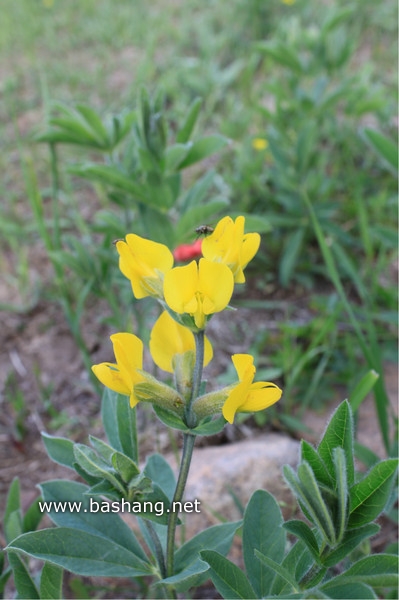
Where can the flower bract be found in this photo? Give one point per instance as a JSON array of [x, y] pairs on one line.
[[247, 396], [144, 263], [198, 290], [229, 245], [124, 375], [169, 338]]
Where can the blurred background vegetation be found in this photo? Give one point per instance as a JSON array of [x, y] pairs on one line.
[[157, 117]]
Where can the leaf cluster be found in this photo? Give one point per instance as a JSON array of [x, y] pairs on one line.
[[341, 509]]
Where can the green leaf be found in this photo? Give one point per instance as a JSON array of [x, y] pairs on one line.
[[310, 455], [359, 591], [13, 525], [109, 175], [103, 449], [383, 146], [377, 571], [262, 531], [363, 387], [369, 497], [196, 216], [51, 582], [298, 561], [187, 559], [32, 517], [302, 531], [13, 515], [126, 468], [184, 133], [341, 515], [95, 466], [119, 421], [277, 568], [203, 148], [81, 552], [282, 54], [350, 541], [175, 155], [171, 419], [95, 124], [107, 525], [211, 427], [315, 503], [197, 193], [228, 579], [59, 449], [339, 433], [24, 583], [290, 255], [160, 472]]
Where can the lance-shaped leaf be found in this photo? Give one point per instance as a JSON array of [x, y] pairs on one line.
[[369, 497], [119, 421], [103, 449], [342, 504], [59, 449], [81, 553], [317, 465], [51, 582], [24, 583], [302, 531], [315, 502], [107, 525], [339, 433], [377, 570], [126, 468], [227, 578], [95, 466], [350, 541], [262, 531]]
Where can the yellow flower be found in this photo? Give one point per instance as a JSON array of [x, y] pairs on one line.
[[169, 338], [124, 375], [229, 245], [247, 396], [198, 289], [145, 263], [289, 2], [259, 144]]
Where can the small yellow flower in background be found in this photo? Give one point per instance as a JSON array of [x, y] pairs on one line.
[[289, 2], [229, 245], [144, 263], [199, 290], [247, 396], [123, 376], [259, 144], [48, 3], [169, 338]]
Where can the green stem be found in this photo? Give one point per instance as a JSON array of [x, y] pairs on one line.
[[188, 447]]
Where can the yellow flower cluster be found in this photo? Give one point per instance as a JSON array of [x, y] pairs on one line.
[[191, 295]]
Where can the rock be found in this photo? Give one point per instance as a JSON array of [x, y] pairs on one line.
[[220, 473]]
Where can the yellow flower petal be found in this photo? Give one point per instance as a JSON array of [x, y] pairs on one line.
[[234, 401], [169, 338], [247, 396], [110, 376], [244, 365], [198, 290], [180, 285], [144, 263], [229, 245], [215, 284], [259, 144], [259, 399]]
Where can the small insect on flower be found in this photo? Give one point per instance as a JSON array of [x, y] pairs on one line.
[[117, 240], [204, 230]]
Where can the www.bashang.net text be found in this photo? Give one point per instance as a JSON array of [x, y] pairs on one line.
[[94, 506]]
